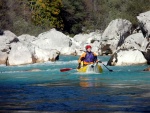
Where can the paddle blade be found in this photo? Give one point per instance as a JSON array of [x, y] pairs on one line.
[[65, 69], [111, 70]]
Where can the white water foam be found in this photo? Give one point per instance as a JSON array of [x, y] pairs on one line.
[[50, 63]]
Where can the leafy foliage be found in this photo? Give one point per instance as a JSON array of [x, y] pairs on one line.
[[101, 12], [46, 13], [3, 14], [73, 15], [69, 16]]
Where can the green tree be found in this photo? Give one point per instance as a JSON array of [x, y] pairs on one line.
[[73, 15], [46, 13], [101, 12], [4, 19], [14, 16]]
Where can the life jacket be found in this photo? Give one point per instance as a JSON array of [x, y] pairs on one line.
[[88, 58]]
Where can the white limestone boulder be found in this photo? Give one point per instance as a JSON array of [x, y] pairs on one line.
[[56, 40], [116, 28], [6, 39], [53, 39], [115, 34], [3, 58], [127, 57], [19, 55], [88, 38], [42, 55], [135, 41], [39, 54], [144, 20], [27, 40], [10, 35], [93, 39]]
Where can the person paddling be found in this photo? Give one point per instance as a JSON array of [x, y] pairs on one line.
[[88, 57]]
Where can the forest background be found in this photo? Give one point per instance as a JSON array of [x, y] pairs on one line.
[[68, 16]]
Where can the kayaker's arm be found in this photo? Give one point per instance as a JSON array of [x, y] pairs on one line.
[[95, 58], [82, 57], [79, 66]]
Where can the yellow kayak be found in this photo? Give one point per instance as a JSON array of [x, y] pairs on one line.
[[91, 68]]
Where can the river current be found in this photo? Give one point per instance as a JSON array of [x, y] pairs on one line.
[[43, 88]]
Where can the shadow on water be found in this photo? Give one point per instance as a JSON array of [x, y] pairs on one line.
[[47, 89]]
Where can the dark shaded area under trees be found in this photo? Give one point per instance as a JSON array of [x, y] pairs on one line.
[[68, 16]]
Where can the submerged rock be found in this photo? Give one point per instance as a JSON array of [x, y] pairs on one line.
[[127, 57], [147, 69], [34, 70]]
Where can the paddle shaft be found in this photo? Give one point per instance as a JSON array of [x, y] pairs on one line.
[[107, 68]]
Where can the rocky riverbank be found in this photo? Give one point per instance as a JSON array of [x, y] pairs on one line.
[[127, 46]]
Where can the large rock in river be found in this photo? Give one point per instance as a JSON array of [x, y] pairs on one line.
[[135, 41], [19, 55], [42, 55], [93, 38], [115, 34], [27, 40], [55, 40], [39, 53], [144, 20], [147, 53], [3, 57], [127, 57], [6, 39], [88, 38]]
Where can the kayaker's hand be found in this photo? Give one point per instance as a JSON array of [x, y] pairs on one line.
[[79, 66], [92, 66]]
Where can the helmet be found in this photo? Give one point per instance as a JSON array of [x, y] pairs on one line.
[[88, 46]]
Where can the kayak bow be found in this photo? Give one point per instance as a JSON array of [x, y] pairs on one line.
[[91, 68]]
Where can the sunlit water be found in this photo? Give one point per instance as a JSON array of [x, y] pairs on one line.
[[126, 89]]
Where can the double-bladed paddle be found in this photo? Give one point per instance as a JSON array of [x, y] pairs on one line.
[[68, 69]]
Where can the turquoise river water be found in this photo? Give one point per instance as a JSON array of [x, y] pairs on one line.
[[125, 90]]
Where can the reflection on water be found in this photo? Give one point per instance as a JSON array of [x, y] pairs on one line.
[[89, 82]]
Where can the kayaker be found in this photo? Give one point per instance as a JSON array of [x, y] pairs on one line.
[[88, 57]]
